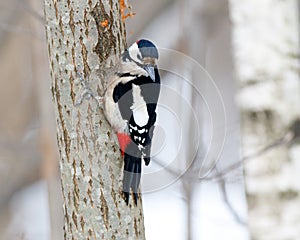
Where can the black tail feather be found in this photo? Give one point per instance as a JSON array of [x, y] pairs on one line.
[[131, 177], [136, 180], [146, 152], [126, 196]]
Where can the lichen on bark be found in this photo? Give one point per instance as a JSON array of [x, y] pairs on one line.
[[90, 161]]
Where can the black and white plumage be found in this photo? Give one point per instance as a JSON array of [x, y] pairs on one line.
[[130, 103]]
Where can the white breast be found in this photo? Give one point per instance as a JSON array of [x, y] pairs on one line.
[[111, 108], [139, 107]]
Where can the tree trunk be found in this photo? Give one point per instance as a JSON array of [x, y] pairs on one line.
[[81, 36], [266, 41]]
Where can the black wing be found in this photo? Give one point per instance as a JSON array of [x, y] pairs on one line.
[[123, 96]]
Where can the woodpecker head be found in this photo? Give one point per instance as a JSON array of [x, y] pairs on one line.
[[144, 53]]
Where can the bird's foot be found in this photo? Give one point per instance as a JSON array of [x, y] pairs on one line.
[[87, 93]]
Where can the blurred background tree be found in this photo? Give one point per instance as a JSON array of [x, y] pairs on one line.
[[267, 69]]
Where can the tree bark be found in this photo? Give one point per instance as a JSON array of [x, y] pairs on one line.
[[81, 36], [266, 41]]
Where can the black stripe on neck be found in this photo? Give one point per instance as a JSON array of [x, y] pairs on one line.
[[127, 74]]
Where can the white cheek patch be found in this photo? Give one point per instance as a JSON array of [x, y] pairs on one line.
[[135, 53]]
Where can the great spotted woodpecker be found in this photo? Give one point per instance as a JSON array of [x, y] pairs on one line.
[[130, 104]]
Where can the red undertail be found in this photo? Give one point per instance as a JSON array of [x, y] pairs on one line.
[[124, 140]]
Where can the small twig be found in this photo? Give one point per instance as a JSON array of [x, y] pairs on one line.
[[228, 204], [286, 139]]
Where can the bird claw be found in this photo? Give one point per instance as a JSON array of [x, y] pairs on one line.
[[99, 100], [87, 93]]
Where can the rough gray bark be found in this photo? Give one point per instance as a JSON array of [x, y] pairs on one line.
[[266, 41], [81, 36]]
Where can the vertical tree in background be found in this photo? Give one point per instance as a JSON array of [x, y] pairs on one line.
[[81, 36], [266, 41]]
